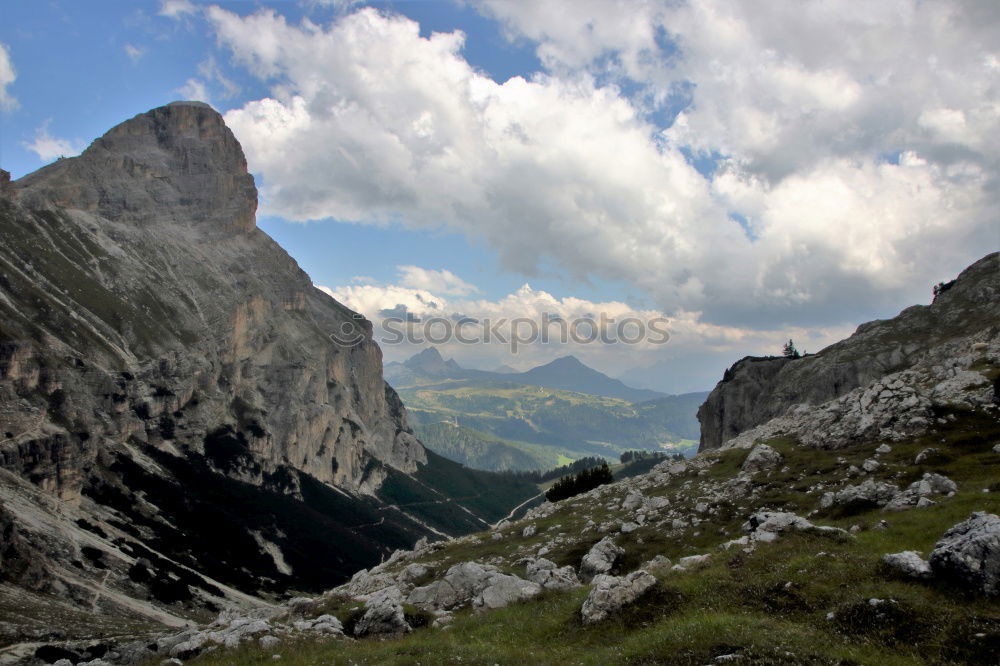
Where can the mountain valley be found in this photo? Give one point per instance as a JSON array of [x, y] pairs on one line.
[[193, 469]]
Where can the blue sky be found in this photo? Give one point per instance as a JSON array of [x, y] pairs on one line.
[[753, 174]]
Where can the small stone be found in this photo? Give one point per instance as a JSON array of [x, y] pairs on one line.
[[871, 465], [926, 455], [692, 562], [908, 563]]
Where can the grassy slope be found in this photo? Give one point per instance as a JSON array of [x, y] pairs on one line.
[[435, 491], [480, 450], [771, 605]]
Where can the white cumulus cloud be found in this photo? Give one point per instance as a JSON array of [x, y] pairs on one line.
[[177, 8], [855, 149], [7, 77], [49, 147]]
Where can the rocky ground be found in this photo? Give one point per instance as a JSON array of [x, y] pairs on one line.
[[884, 551]]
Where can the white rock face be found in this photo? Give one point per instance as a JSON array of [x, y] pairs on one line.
[[181, 330], [611, 593], [969, 554], [600, 559], [909, 563]]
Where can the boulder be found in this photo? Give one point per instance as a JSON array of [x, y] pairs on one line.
[[927, 455], [504, 590], [871, 492], [548, 575], [969, 554], [908, 563], [762, 457], [658, 564], [472, 583], [930, 484], [766, 525], [633, 501], [692, 562], [383, 614], [600, 559], [410, 573], [364, 583], [326, 624], [775, 521], [871, 465], [611, 593]]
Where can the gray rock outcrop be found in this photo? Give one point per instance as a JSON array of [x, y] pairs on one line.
[[473, 584], [931, 484], [969, 554], [160, 353], [935, 344], [612, 593], [868, 493], [383, 614], [600, 559], [548, 575], [761, 457]]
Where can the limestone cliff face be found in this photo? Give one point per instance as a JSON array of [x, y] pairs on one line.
[[139, 304], [936, 338]]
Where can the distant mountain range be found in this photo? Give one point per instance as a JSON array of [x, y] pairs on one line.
[[547, 416], [566, 373]]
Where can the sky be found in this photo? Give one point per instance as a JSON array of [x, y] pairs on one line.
[[747, 172]]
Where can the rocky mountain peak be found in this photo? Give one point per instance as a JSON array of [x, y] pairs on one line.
[[176, 164], [431, 362]]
